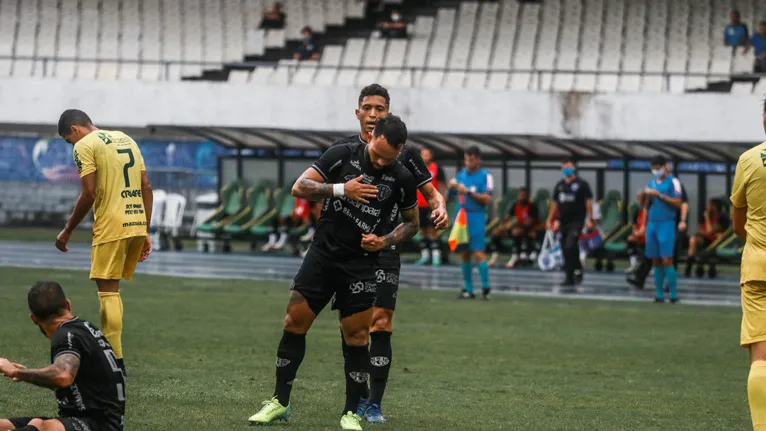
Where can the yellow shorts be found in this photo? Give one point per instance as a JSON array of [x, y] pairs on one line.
[[753, 312], [116, 259]]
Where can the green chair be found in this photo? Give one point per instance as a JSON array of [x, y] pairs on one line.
[[611, 224], [730, 249], [236, 226], [709, 255], [616, 245], [232, 203], [501, 208]]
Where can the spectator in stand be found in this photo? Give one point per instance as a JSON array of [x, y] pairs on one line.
[[395, 27], [523, 230], [301, 215], [308, 49], [273, 19], [736, 33], [758, 42], [712, 225], [430, 244], [637, 239]]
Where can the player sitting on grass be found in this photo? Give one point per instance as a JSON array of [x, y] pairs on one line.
[[89, 383]]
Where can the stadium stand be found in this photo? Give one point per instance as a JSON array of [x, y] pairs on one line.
[[555, 45]]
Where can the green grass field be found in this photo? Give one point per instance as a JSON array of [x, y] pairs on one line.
[[200, 355]]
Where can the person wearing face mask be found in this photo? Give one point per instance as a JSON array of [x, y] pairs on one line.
[[88, 381], [394, 27], [308, 49], [663, 198], [573, 200]]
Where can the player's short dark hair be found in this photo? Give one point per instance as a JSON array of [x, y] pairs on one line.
[[473, 150], [717, 203], [762, 23], [46, 299], [72, 117], [569, 160], [523, 189], [393, 129], [374, 90], [658, 160]]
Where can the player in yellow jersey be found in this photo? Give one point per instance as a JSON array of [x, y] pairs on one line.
[[114, 183], [748, 199]]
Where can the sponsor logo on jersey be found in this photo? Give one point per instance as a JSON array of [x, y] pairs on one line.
[[389, 178], [355, 163], [135, 193], [362, 286]]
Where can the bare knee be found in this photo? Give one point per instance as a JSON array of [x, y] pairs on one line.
[[479, 256], [758, 351], [49, 425], [299, 315], [108, 285], [465, 256], [356, 335], [382, 320], [517, 231], [6, 425]]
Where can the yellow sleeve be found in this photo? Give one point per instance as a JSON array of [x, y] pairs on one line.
[[84, 158], [141, 165], [741, 178]]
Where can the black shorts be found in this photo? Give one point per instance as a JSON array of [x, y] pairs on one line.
[[348, 283], [425, 217], [70, 423], [387, 278]]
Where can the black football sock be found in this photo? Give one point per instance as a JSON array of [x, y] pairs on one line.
[[380, 364], [356, 367], [343, 344], [516, 245], [290, 354]]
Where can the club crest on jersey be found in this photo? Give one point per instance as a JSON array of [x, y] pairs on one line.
[[575, 186], [384, 192]]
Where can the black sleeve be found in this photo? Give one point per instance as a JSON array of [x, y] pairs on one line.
[[66, 341], [533, 214], [330, 161], [408, 196], [723, 221], [440, 176], [586, 190], [555, 193], [512, 211], [415, 164], [684, 196]]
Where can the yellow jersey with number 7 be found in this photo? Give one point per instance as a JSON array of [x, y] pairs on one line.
[[116, 161]]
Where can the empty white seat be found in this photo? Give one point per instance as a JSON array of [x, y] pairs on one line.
[[476, 80], [629, 84], [742, 88], [239, 76], [585, 83], [498, 80], [107, 71], [262, 75], [304, 74], [520, 81], [607, 83], [563, 82], [652, 83], [760, 87]]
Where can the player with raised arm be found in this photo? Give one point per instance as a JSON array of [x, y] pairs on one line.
[[361, 185], [374, 103], [84, 373], [114, 182]]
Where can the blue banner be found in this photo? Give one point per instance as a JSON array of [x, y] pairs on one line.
[[175, 163]]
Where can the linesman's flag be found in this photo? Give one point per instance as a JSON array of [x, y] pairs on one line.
[[458, 237]]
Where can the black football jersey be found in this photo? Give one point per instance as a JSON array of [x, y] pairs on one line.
[[343, 221], [98, 390], [571, 199], [410, 158]]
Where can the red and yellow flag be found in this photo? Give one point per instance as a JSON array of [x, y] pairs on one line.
[[458, 237]]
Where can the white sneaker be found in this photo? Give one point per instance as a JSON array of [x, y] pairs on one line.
[[492, 259], [523, 256], [631, 268], [533, 256], [308, 236], [303, 252], [269, 245], [513, 261], [281, 241]]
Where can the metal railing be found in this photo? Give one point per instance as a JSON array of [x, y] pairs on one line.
[[538, 79]]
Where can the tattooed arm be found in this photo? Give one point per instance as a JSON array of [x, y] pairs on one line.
[[311, 185], [60, 374], [407, 229]]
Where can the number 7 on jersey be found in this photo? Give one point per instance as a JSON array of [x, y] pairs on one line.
[[131, 162]]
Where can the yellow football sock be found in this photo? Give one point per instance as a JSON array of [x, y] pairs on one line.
[[111, 320], [756, 393]]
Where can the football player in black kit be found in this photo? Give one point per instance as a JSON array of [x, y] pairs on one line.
[[89, 383], [361, 185], [374, 103], [573, 199]]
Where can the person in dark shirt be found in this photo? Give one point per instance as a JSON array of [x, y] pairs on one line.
[[362, 184], [637, 238], [572, 199], [374, 103], [429, 244], [522, 223], [308, 49], [395, 27], [85, 374], [712, 225], [736, 33], [275, 18]]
